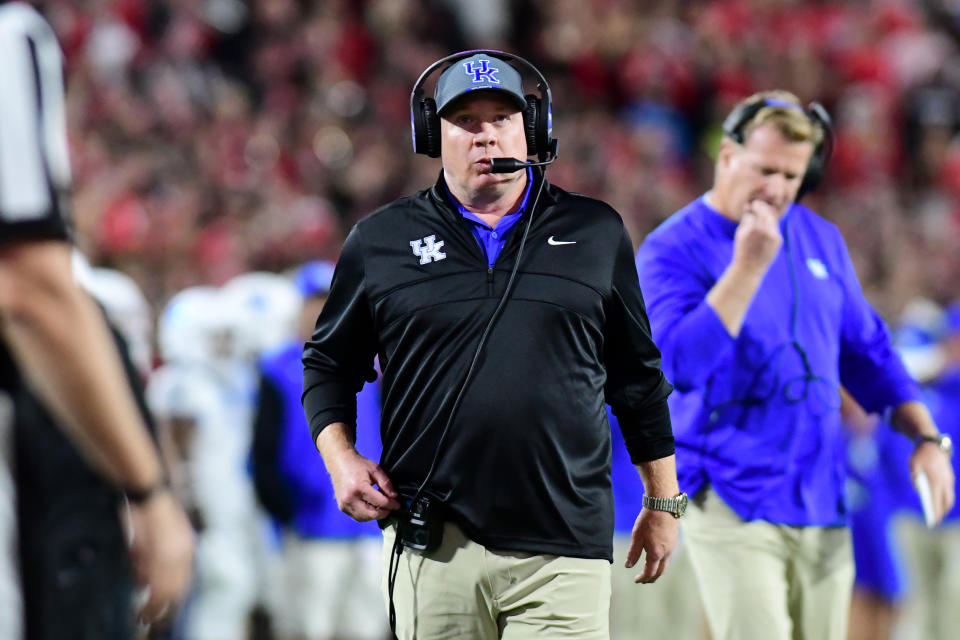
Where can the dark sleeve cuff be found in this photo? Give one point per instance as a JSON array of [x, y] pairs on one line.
[[51, 227], [648, 435], [327, 400], [320, 414]]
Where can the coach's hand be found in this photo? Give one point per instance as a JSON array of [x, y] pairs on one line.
[[755, 245], [927, 458], [363, 490], [757, 239], [913, 419], [655, 533]]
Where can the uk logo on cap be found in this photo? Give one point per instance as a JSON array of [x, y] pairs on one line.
[[479, 71], [482, 72]]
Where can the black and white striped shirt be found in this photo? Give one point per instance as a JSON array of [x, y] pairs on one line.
[[34, 161]]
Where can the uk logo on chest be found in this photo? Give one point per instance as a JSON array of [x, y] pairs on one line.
[[428, 249]]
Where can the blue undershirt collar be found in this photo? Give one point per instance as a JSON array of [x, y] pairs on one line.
[[492, 239]]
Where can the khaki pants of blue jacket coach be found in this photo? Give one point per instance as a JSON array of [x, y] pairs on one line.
[[464, 590], [763, 581]]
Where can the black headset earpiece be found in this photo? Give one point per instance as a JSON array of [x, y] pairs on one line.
[[431, 127], [537, 117], [735, 123], [821, 155], [530, 116], [425, 127], [546, 144]]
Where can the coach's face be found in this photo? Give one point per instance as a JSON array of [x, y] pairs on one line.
[[765, 167], [474, 129]]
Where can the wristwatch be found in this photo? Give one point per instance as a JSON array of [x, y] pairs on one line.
[[677, 505], [942, 440], [140, 496]]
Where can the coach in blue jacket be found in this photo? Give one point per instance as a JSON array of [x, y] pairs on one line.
[[759, 315]]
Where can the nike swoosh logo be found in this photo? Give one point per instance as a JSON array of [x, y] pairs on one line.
[[557, 243]]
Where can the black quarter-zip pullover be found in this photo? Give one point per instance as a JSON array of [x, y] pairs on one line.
[[526, 465]]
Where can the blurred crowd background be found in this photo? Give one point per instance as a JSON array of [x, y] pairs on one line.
[[214, 137]]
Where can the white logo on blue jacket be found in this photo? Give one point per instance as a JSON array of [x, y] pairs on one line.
[[817, 268]]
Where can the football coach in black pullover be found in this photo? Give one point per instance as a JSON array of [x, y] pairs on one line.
[[505, 312]]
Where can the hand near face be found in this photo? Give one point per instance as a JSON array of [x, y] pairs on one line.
[[758, 238]]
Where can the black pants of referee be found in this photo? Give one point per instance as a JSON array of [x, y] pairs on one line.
[[75, 570]]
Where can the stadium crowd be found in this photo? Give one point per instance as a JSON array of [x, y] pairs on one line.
[[211, 139]]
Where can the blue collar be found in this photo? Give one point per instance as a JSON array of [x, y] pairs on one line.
[[516, 213], [492, 239]]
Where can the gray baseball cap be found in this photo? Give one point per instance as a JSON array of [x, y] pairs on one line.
[[479, 72]]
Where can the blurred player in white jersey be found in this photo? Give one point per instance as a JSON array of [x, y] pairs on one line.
[[203, 397]]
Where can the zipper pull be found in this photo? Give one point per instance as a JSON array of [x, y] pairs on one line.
[[490, 275]]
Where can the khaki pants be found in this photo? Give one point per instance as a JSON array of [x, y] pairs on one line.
[[330, 584], [669, 608], [932, 560], [464, 590], [763, 581]]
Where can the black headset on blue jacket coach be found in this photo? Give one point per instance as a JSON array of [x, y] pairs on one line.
[[537, 116], [742, 115]]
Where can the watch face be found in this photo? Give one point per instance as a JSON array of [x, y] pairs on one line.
[[946, 443], [682, 504]]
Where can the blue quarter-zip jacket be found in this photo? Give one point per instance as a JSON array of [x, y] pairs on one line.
[[757, 417]]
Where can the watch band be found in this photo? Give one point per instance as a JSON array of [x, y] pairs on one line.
[[139, 496], [658, 504], [942, 440], [677, 505]]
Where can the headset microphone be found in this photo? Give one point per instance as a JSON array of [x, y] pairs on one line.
[[510, 165]]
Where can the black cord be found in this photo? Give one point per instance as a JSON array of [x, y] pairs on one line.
[[397, 546], [807, 380], [392, 581], [483, 340]]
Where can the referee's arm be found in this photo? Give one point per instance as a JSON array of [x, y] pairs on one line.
[[60, 343], [53, 329], [51, 326]]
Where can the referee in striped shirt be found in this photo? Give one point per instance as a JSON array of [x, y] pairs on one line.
[[53, 335]]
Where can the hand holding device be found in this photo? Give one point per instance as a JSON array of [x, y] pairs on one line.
[[363, 490], [933, 477], [922, 484]]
